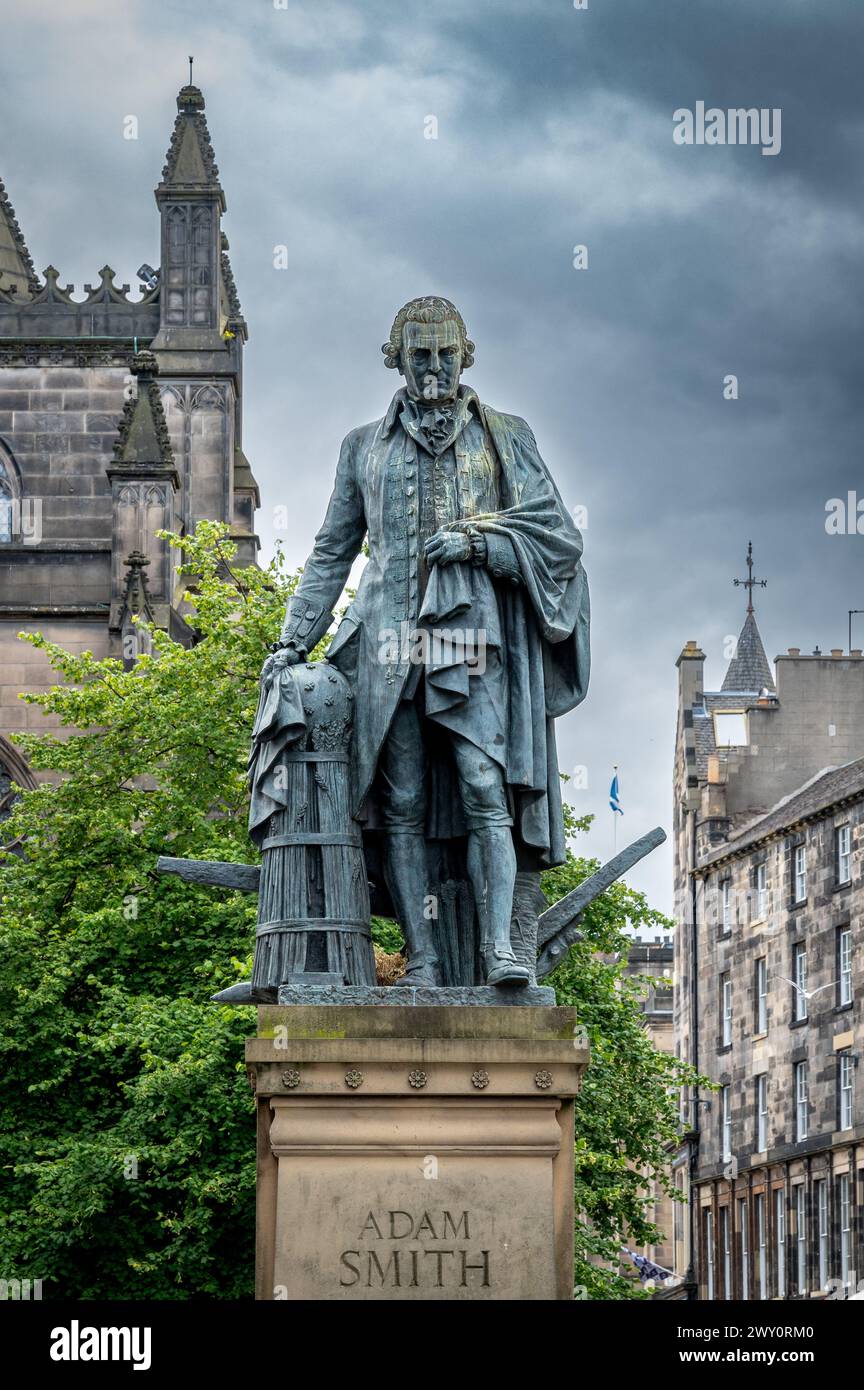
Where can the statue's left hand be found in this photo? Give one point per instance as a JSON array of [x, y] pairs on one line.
[[446, 547]]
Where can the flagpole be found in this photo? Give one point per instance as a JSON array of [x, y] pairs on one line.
[[614, 818]]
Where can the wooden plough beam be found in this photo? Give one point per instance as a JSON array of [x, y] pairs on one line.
[[216, 872]]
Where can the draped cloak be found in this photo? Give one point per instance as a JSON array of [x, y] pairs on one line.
[[532, 597]]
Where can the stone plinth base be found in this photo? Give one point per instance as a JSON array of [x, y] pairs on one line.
[[409, 996], [415, 1153]]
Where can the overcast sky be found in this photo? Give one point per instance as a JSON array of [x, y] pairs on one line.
[[554, 128]]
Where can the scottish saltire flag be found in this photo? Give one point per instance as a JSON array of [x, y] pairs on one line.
[[614, 801], [647, 1268]]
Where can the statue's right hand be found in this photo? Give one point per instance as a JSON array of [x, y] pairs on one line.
[[279, 659]]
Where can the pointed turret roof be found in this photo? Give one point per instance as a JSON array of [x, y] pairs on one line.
[[190, 163], [142, 439], [16, 265], [749, 669]]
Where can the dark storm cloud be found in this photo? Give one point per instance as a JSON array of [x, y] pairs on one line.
[[555, 128]]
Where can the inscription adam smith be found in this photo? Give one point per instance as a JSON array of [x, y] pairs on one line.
[[413, 1266]]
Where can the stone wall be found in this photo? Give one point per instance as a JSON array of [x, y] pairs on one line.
[[24, 669], [655, 960], [58, 427], [200, 419], [59, 424], [818, 722]]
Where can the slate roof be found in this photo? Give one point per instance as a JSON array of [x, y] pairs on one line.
[[749, 668], [817, 795], [703, 735], [748, 675]]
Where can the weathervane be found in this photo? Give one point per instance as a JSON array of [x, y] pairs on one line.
[[750, 583]]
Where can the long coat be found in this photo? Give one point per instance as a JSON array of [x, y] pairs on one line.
[[534, 557]]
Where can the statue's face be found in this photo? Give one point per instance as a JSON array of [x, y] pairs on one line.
[[432, 360]]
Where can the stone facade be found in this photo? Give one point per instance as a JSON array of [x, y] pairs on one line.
[[654, 960], [769, 833], [69, 519]]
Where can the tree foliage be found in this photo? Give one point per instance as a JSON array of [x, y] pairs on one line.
[[627, 1110], [126, 1122]]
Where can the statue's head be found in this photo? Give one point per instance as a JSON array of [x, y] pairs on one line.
[[430, 346]]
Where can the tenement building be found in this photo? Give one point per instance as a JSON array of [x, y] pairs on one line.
[[119, 417], [653, 963], [769, 830]]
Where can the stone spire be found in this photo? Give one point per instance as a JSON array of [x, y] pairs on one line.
[[17, 274], [142, 441], [201, 334], [136, 594], [144, 484], [190, 162], [136, 609], [749, 669], [191, 204]]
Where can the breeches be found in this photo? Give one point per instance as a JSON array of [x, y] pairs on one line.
[[403, 768]]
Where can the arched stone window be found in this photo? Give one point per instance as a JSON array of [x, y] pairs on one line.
[[5, 506], [13, 769], [10, 494]]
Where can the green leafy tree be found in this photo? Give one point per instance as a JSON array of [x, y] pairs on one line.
[[627, 1111], [126, 1122]]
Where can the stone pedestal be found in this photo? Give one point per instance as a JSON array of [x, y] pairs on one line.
[[415, 1152]]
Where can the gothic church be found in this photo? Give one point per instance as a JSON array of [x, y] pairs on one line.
[[119, 417]]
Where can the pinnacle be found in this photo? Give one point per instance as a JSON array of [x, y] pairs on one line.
[[749, 668]]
